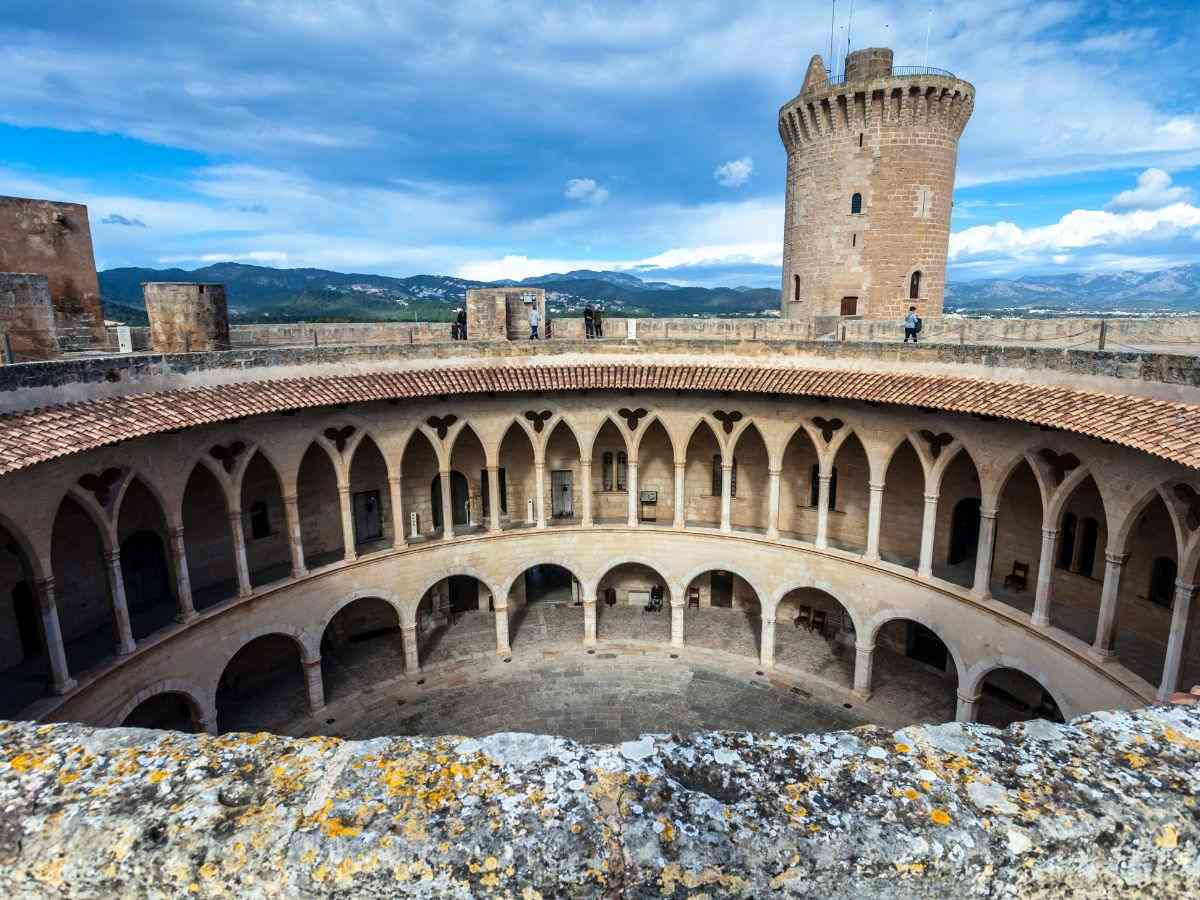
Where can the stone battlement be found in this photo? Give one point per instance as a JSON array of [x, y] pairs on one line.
[[927, 811]]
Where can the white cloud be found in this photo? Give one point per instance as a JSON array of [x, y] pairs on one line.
[[585, 190], [734, 173], [1154, 191], [1076, 230]]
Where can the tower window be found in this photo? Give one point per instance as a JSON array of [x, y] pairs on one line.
[[622, 470], [849, 306], [854, 239], [795, 288], [914, 286], [856, 205], [860, 139], [606, 471], [923, 207], [260, 521]]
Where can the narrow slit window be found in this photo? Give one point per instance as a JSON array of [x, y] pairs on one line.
[[606, 471], [914, 286]]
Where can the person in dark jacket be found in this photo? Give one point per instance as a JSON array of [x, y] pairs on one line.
[[597, 326], [462, 324], [588, 323], [912, 324]]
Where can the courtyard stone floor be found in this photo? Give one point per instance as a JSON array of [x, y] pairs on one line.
[[631, 683]]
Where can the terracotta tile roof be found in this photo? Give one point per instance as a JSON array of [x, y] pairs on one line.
[[1159, 427]]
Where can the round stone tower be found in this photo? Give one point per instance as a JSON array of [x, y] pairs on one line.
[[871, 162]]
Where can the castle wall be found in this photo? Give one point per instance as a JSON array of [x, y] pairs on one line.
[[54, 239], [186, 317], [27, 316]]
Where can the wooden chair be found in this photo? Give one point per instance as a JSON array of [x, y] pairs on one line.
[[820, 620], [804, 617], [1018, 579], [693, 597]]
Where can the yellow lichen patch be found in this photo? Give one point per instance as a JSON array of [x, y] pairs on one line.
[[29, 762], [209, 871], [939, 817], [491, 879], [530, 894], [674, 874], [50, 873], [1135, 760], [914, 868], [1181, 739], [308, 856], [668, 829], [1167, 837], [903, 748], [68, 776], [911, 794], [156, 776]]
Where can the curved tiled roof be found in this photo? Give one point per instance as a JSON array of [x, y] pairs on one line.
[[1163, 428]]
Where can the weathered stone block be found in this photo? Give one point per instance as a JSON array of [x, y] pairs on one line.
[[186, 317]]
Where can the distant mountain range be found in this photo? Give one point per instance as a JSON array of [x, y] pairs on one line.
[[260, 294]]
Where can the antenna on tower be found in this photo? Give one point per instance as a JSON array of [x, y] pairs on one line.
[[928, 26], [832, 16], [849, 22]]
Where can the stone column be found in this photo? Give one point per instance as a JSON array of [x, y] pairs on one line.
[[864, 657], [52, 630], [874, 518], [726, 496], [412, 657], [1106, 623], [585, 475], [773, 504], [967, 709], [631, 483], [677, 624], [351, 554], [447, 506], [206, 723], [239, 552], [399, 529], [493, 477], [928, 527], [291, 511], [116, 588], [1177, 641], [680, 501], [185, 609], [1041, 599], [766, 651], [502, 647], [314, 684], [982, 587], [540, 474], [589, 622], [823, 511]]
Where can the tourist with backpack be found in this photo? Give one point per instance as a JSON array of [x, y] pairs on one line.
[[912, 325]]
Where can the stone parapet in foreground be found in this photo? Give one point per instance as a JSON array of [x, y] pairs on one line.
[[1103, 806]]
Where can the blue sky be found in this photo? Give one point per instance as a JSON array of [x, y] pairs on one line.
[[502, 140]]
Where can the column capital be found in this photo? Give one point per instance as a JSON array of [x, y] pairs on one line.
[[768, 620], [585, 461], [1049, 533], [875, 485], [969, 699], [311, 663], [113, 557], [988, 512], [499, 607], [774, 473], [235, 515], [45, 585], [410, 627], [863, 649], [291, 499], [344, 488], [1183, 587], [493, 468], [931, 498], [1115, 559], [726, 465], [681, 463], [824, 477], [175, 532], [591, 602]]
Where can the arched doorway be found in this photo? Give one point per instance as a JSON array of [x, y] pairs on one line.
[[545, 606], [460, 500], [208, 539], [1075, 596], [749, 484], [1018, 543], [702, 489], [964, 533], [799, 488], [515, 480], [656, 476], [168, 711], [468, 463], [633, 603], [24, 664], [849, 495], [262, 687], [85, 608], [455, 620], [361, 646], [264, 523], [1009, 695], [913, 673], [319, 506], [610, 475], [147, 580], [419, 468], [1146, 598], [370, 498], [723, 612], [815, 632], [903, 507]]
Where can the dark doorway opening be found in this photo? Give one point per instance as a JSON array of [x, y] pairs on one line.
[[486, 490], [460, 498], [964, 531], [926, 647], [721, 589], [464, 593], [29, 625], [548, 584], [1162, 581], [849, 306], [144, 566], [368, 517], [562, 501]]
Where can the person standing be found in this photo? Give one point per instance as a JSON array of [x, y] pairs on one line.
[[597, 326], [912, 324], [462, 324], [588, 324], [534, 321]]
